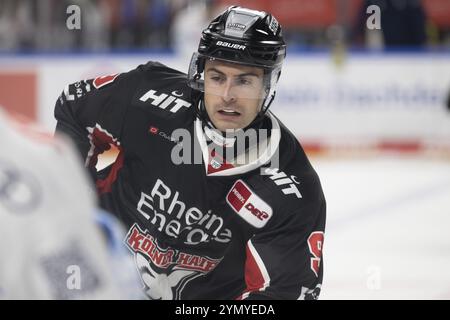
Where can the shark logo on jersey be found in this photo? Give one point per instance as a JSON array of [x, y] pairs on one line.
[[165, 271]]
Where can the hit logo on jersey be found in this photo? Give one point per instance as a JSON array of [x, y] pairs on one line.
[[165, 101]]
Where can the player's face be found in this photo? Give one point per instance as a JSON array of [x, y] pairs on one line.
[[233, 94]]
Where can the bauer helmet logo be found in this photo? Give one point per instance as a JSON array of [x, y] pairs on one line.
[[230, 45]]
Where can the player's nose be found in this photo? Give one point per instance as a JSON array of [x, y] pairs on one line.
[[228, 93]]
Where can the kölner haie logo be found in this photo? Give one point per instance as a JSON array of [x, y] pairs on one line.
[[248, 205]]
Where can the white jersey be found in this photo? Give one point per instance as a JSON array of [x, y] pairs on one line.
[[50, 247]]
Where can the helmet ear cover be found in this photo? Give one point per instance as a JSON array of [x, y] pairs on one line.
[[201, 61]]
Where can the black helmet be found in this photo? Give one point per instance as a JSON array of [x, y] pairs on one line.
[[242, 36], [245, 36]]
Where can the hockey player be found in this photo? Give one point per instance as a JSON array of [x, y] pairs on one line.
[[219, 198], [51, 246]]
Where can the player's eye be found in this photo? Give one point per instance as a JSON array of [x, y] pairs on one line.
[[245, 81], [216, 78]]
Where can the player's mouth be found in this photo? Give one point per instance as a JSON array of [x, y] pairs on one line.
[[229, 113]]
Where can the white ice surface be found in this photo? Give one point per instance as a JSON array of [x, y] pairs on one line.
[[388, 228]]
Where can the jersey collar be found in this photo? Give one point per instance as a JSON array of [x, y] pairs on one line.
[[229, 169]]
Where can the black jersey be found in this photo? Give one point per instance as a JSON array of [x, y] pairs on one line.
[[198, 228]]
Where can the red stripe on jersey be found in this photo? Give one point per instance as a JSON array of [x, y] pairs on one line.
[[254, 278], [104, 80]]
